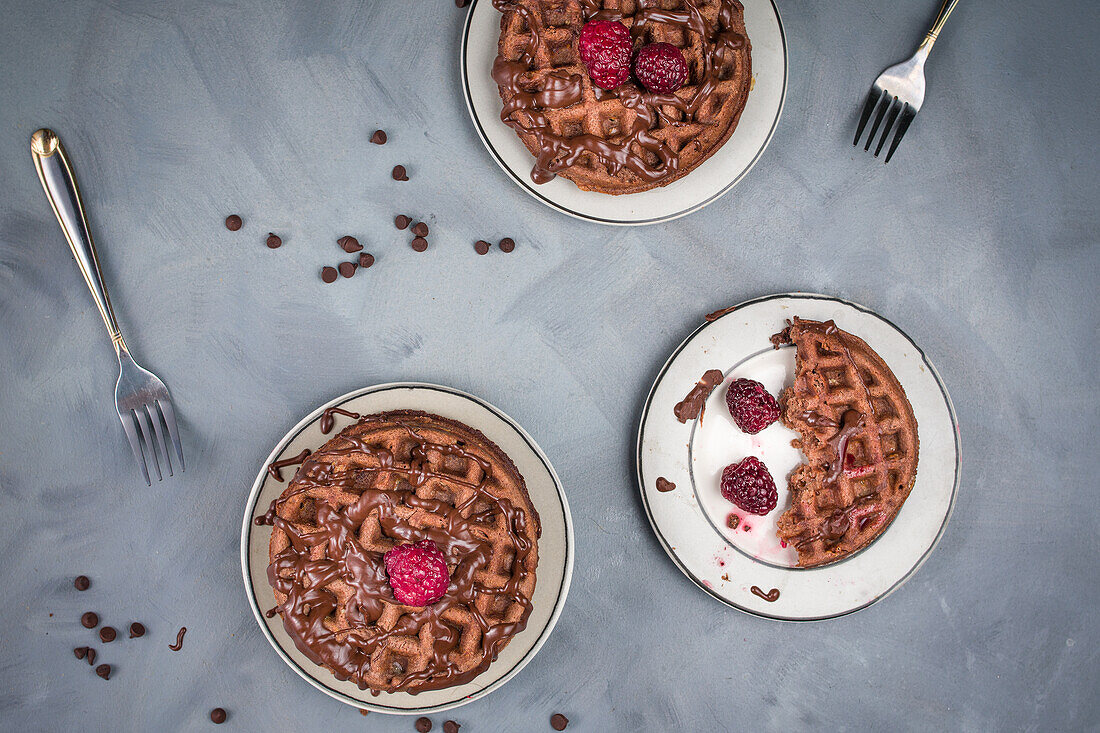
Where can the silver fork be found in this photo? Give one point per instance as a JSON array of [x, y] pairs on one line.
[[141, 399], [900, 90]]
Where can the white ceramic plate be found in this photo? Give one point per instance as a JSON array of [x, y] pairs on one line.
[[691, 520], [555, 546], [714, 177]]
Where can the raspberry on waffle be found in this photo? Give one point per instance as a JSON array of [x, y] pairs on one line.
[[388, 480], [627, 139], [859, 439]]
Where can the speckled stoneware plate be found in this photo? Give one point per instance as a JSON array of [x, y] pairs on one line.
[[555, 545], [705, 184], [691, 520]]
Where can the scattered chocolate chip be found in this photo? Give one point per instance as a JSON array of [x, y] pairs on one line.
[[481, 247], [107, 634], [137, 629], [423, 725], [89, 620], [399, 173], [558, 721], [218, 716], [349, 244], [366, 259], [401, 221], [347, 269], [379, 137], [451, 727], [420, 229], [420, 244], [104, 671], [507, 244], [274, 241], [81, 652], [91, 656], [233, 222], [328, 274], [82, 582], [364, 713]]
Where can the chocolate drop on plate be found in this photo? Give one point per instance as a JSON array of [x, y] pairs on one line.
[[401, 221], [507, 244], [423, 725], [420, 229], [81, 652], [89, 620], [107, 634], [419, 244], [399, 173], [218, 716], [379, 137], [274, 241], [233, 222], [91, 656], [347, 269], [481, 247], [366, 259], [104, 671], [558, 721], [328, 274], [82, 582], [349, 244], [137, 629]]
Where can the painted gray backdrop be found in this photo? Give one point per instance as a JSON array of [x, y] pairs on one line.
[[979, 239]]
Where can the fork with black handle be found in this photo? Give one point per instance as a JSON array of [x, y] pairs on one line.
[[141, 399], [900, 91]]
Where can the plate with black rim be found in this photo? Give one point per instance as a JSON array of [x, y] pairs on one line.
[[713, 178], [556, 549], [735, 556]]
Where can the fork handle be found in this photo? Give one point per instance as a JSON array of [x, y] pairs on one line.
[[934, 33], [56, 174]]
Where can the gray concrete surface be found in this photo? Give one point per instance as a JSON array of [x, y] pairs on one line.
[[980, 240]]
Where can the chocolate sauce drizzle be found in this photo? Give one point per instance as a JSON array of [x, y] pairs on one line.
[[695, 402], [328, 421], [524, 109], [719, 313], [179, 640], [771, 596], [303, 580], [275, 466]]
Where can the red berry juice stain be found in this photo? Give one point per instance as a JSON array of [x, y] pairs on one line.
[[782, 543]]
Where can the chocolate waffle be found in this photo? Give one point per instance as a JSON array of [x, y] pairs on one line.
[[859, 439], [386, 480], [625, 140]]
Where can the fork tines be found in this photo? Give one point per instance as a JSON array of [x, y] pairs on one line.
[[886, 103], [145, 425]]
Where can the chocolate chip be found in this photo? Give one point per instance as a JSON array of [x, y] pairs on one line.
[[399, 173], [107, 634], [379, 137], [558, 721], [732, 521], [401, 221], [347, 269], [233, 222], [104, 671], [349, 244], [366, 259], [137, 629], [423, 725], [481, 247], [218, 716], [89, 620], [273, 241], [364, 713], [91, 656], [507, 244], [81, 652], [328, 274], [82, 582], [451, 727], [420, 244], [420, 229]]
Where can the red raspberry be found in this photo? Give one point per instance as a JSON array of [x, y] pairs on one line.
[[417, 573], [660, 67], [749, 485], [605, 48], [752, 407]]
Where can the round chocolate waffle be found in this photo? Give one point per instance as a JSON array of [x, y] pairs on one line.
[[625, 140], [859, 438], [390, 479]]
